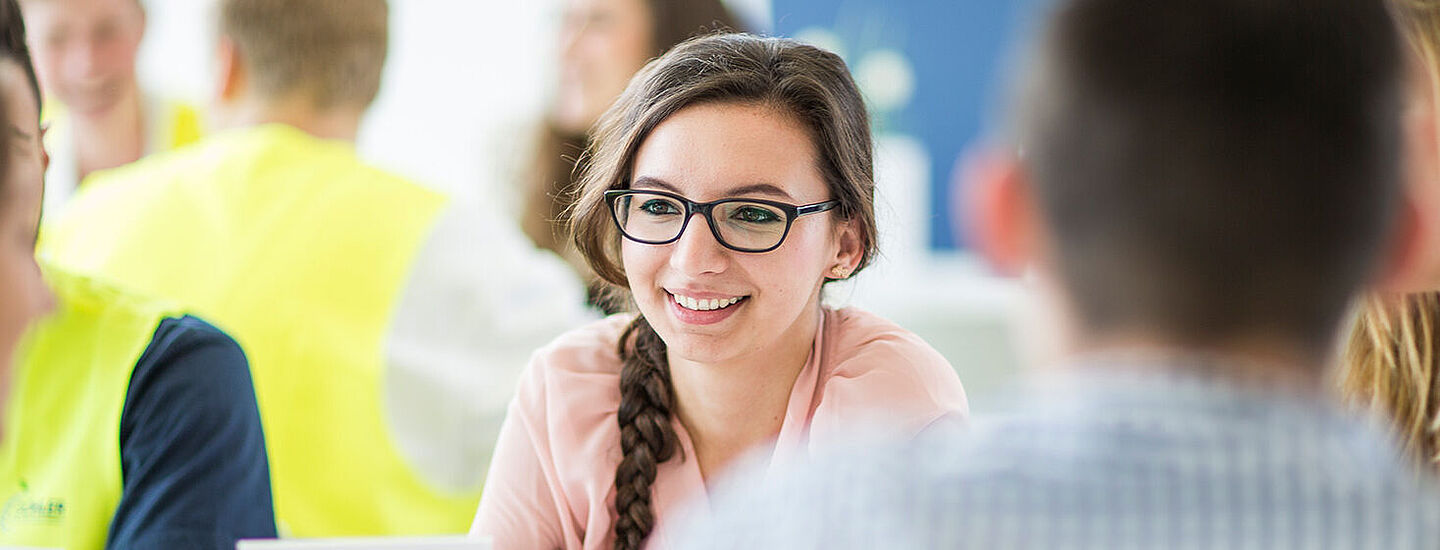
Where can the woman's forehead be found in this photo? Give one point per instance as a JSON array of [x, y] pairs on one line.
[[717, 150]]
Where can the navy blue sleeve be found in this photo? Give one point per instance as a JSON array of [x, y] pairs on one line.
[[195, 470]]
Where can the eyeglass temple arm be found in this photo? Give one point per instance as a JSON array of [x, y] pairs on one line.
[[817, 207]]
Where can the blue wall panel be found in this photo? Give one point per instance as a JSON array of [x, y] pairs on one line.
[[958, 51]]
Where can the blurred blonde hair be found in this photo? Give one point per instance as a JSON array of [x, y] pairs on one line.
[[1391, 368], [330, 51]]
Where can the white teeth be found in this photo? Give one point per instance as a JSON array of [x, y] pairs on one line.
[[705, 305]]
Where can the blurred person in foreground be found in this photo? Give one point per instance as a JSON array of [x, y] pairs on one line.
[[1392, 358], [1198, 190], [602, 44], [126, 423], [98, 115], [383, 341]]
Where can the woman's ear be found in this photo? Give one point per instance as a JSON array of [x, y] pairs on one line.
[[999, 211], [849, 252]]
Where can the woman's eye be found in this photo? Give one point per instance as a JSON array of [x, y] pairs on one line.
[[658, 207], [755, 214]]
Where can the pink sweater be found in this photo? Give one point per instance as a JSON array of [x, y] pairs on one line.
[[551, 483]]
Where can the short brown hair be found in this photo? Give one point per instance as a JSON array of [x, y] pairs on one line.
[[1219, 169], [332, 51]]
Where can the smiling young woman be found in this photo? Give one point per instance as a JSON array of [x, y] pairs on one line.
[[728, 185]]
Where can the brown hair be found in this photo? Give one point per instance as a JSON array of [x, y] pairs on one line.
[[551, 183], [807, 83], [1392, 364], [332, 52]]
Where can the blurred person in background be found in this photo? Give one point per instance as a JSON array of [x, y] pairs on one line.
[[1392, 363], [382, 363], [1198, 190], [85, 54], [602, 44], [126, 423], [619, 425]]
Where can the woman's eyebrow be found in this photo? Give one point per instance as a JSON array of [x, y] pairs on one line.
[[650, 182], [762, 189]]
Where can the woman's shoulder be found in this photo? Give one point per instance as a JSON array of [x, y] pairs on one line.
[[577, 374], [871, 364], [590, 349], [855, 339]]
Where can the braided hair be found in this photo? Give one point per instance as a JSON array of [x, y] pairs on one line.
[[646, 436]]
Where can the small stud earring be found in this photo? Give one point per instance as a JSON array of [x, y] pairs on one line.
[[839, 272]]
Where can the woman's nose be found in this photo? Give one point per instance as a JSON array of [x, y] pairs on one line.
[[697, 250]]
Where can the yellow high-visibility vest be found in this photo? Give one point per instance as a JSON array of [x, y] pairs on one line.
[[181, 123], [299, 251], [60, 469]]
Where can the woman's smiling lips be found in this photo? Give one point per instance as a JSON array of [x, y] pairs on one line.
[[702, 308]]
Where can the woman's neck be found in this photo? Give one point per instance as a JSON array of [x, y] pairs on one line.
[[111, 139], [731, 408]]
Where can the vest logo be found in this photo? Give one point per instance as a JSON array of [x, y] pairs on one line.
[[24, 509]]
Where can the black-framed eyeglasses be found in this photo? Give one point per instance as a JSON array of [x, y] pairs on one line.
[[742, 225]]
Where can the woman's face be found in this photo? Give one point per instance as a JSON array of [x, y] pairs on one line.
[[1421, 271], [718, 151], [603, 43], [23, 295]]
